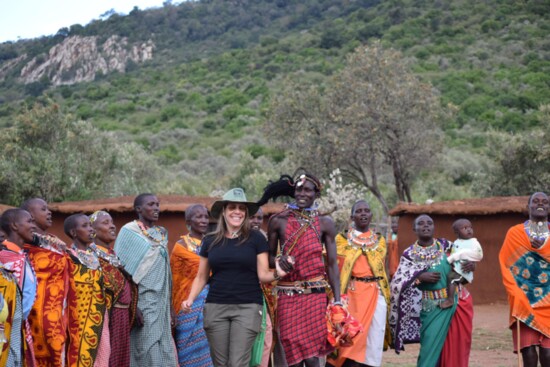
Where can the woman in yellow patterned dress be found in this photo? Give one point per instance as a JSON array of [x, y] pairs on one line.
[[89, 342]]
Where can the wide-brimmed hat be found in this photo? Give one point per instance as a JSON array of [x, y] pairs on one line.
[[235, 195]]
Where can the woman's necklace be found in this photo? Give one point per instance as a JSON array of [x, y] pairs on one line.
[[193, 243], [429, 256], [110, 258], [152, 235], [366, 241], [537, 231], [87, 257]]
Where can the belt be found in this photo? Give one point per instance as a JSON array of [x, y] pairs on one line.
[[290, 291], [314, 285], [432, 299], [366, 279], [435, 295]]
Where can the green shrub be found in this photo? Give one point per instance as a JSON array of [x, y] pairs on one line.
[[169, 112]]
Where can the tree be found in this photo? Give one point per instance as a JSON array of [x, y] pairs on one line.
[[47, 154], [522, 159], [374, 117]]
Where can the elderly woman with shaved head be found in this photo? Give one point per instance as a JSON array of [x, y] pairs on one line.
[[121, 292], [184, 261], [418, 289]]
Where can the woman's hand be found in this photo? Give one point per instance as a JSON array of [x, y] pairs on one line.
[[172, 317], [186, 305], [429, 277], [537, 243], [469, 266], [139, 318]]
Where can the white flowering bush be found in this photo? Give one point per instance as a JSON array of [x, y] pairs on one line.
[[339, 196]]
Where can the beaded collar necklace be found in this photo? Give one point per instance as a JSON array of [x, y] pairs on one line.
[[110, 258], [429, 256], [154, 236], [366, 241], [87, 257], [193, 243], [294, 206], [47, 241]]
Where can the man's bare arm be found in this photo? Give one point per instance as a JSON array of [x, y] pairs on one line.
[[329, 235]]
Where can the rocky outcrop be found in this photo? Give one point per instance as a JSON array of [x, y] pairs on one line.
[[78, 59], [7, 66]]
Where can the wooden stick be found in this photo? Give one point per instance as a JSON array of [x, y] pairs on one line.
[[519, 344]]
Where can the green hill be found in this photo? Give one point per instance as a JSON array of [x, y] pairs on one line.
[[198, 102]]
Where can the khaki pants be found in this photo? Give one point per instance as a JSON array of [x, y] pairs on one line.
[[231, 331]]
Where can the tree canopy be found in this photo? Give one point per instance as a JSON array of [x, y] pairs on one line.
[[372, 119], [51, 155]]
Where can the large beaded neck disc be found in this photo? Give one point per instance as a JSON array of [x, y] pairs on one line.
[[537, 230], [428, 256]]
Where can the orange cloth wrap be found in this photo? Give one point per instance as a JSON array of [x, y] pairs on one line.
[[515, 248], [184, 265]]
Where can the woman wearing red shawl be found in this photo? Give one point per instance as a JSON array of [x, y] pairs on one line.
[[49, 317], [120, 292], [417, 290], [191, 342], [524, 263]]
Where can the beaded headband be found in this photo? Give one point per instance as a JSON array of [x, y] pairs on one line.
[[302, 180], [96, 215]]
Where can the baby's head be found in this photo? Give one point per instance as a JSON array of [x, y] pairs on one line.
[[463, 229]]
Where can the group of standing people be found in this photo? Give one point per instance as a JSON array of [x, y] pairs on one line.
[[81, 303], [238, 296]]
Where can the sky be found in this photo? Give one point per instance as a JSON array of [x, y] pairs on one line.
[[35, 18]]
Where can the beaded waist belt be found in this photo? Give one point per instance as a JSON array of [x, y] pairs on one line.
[[435, 295], [315, 285], [366, 279]]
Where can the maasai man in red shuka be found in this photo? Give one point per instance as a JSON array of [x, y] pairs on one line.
[[298, 234]]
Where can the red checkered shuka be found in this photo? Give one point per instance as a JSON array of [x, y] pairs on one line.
[[301, 317]]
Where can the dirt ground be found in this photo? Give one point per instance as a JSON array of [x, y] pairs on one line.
[[491, 345]]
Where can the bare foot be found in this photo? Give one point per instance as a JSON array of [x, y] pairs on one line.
[[446, 304]]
